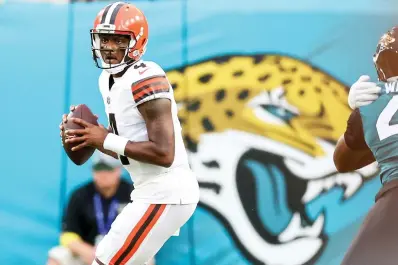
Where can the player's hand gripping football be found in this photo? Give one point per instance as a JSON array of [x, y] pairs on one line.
[[363, 92], [71, 135], [65, 120], [91, 135]]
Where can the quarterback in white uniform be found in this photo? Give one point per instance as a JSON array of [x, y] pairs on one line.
[[144, 133]]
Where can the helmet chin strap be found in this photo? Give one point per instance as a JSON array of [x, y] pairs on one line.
[[116, 68]]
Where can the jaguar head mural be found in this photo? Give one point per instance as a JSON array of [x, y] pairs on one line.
[[260, 131]]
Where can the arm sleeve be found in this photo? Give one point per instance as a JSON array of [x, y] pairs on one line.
[[354, 134]]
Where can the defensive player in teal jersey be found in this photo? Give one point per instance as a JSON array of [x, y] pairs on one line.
[[372, 134]]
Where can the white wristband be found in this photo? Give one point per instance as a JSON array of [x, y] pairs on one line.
[[115, 143]]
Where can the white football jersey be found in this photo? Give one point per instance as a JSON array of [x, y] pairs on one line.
[[152, 184]]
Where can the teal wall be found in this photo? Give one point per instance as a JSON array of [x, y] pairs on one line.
[[46, 66]]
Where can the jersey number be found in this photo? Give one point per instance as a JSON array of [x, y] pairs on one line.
[[112, 121], [384, 129]]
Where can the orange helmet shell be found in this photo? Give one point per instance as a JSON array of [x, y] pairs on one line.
[[125, 19]]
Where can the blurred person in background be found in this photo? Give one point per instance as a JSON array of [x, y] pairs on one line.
[[91, 210]]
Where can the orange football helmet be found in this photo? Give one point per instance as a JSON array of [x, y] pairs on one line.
[[124, 19]]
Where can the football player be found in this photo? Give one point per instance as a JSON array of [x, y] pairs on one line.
[[372, 134], [144, 133]]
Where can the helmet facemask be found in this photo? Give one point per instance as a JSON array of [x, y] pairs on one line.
[[99, 51]]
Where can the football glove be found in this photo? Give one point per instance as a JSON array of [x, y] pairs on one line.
[[363, 92]]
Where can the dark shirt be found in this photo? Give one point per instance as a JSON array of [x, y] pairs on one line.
[[80, 217]]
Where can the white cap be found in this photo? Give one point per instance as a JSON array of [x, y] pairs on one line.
[[103, 161]]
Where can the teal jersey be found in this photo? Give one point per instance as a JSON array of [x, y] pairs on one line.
[[380, 130]]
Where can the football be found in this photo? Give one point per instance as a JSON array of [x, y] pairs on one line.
[[81, 156]]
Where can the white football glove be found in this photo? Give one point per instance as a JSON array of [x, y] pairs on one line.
[[363, 92]]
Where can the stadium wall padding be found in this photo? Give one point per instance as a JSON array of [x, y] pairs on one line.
[[254, 211]]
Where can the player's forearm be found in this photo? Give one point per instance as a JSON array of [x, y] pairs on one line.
[[355, 164], [150, 152], [346, 159], [108, 152], [84, 250], [366, 159], [159, 153]]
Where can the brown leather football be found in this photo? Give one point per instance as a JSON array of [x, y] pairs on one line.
[[81, 156]]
